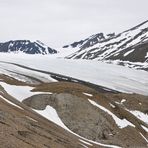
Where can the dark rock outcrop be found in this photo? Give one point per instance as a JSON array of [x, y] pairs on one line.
[[26, 46]]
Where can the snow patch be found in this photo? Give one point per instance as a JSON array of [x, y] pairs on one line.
[[123, 100], [144, 137], [145, 128], [146, 55], [51, 114], [122, 123], [87, 94], [31, 119], [113, 106], [86, 142], [127, 53], [10, 102], [20, 92], [140, 115]]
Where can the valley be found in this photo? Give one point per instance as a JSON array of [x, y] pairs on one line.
[[92, 93]]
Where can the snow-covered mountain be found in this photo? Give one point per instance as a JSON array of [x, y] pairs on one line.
[[127, 48], [90, 41], [26, 46]]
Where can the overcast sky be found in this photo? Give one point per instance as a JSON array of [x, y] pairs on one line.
[[60, 22]]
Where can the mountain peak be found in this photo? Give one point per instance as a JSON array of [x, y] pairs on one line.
[[26, 46], [90, 41]]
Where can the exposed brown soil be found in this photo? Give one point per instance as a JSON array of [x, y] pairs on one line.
[[21, 127], [13, 81], [64, 87], [89, 121], [26, 128]]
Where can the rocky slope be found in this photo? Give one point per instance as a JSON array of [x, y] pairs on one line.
[[26, 46], [92, 122], [106, 119], [89, 41], [21, 127], [127, 48]]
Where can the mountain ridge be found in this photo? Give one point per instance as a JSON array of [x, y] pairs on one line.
[[26, 46], [130, 46]]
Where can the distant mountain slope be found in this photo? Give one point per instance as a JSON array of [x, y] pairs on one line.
[[26, 46], [130, 45], [90, 41]]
